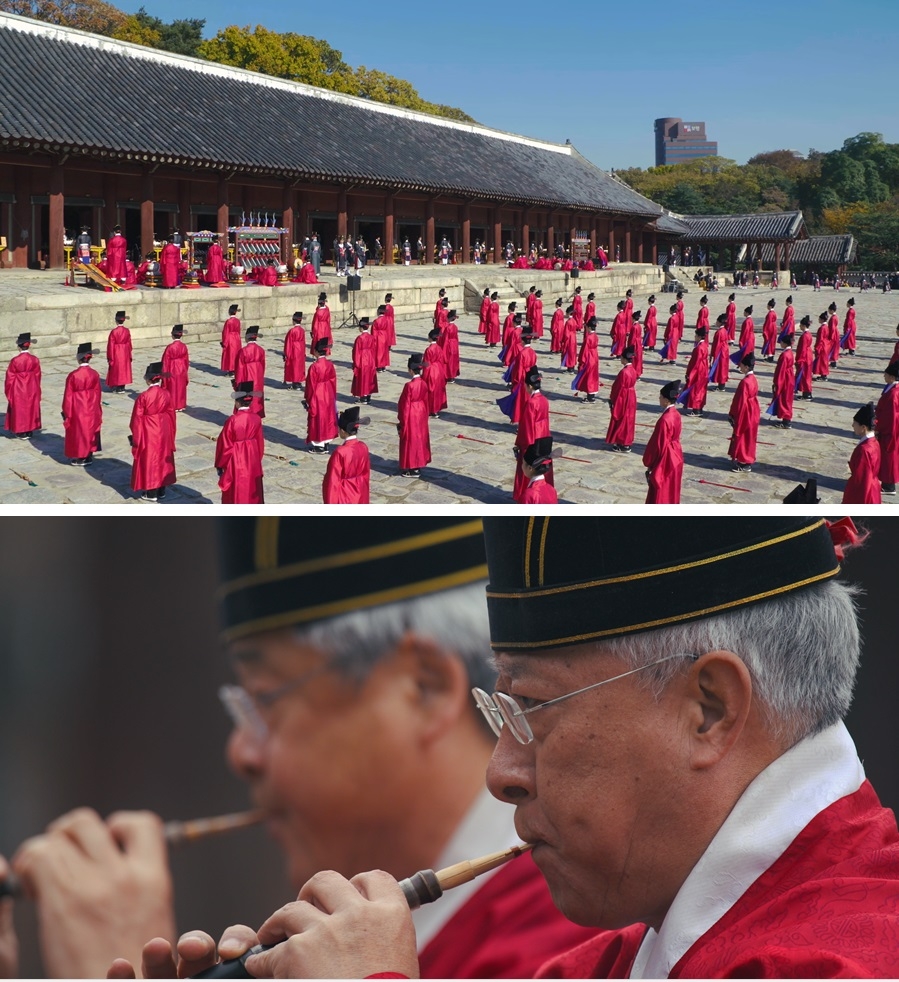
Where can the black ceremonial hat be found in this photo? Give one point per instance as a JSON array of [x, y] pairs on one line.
[[348, 420], [154, 370], [865, 416], [539, 452], [297, 316], [804, 494], [556, 582], [86, 348], [322, 346], [670, 390], [281, 571], [24, 338]]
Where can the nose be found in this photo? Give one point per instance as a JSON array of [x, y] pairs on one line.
[[510, 772], [244, 753]]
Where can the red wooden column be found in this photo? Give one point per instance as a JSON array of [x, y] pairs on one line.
[[110, 209], [655, 248], [466, 232], [430, 234], [21, 219], [572, 232], [611, 240], [184, 217], [525, 231], [627, 243], [56, 258], [387, 242], [341, 214], [777, 258], [146, 213], [550, 235], [497, 235], [640, 237], [288, 221], [593, 237], [222, 213]]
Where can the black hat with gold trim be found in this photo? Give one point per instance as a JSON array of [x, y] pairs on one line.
[[282, 571], [557, 582]]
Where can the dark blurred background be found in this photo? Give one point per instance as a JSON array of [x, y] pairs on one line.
[[109, 668]]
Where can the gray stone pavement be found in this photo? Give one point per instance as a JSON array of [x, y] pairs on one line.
[[471, 442]]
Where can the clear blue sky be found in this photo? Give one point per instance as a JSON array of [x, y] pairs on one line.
[[790, 75]]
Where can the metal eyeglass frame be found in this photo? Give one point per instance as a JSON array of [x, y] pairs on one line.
[[245, 708]]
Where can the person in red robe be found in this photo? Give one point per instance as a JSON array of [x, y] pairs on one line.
[[170, 265], [239, 451], [784, 384], [569, 342], [804, 360], [788, 321], [719, 370], [663, 457], [22, 388], [321, 400], [412, 421], [557, 328], [511, 339], [118, 355], [321, 323], [731, 317], [672, 337], [365, 374], [348, 474], [628, 304], [536, 318], [215, 264], [440, 315], [230, 343], [250, 367], [441, 297], [491, 334], [588, 362], [175, 367], [651, 324], [380, 336], [702, 315], [590, 309], [623, 405], [268, 275], [680, 310], [390, 314], [152, 438], [534, 423], [618, 331], [635, 341], [577, 306], [529, 303], [887, 427], [449, 341], [744, 415], [434, 374], [524, 362], [482, 313], [116, 254], [295, 354], [697, 378], [847, 341], [747, 337], [822, 349], [82, 412], [535, 462], [863, 486], [769, 331], [833, 333]]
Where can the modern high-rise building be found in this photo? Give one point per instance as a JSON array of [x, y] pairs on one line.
[[677, 141]]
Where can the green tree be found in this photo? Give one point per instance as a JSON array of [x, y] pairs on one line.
[[85, 15], [182, 37]]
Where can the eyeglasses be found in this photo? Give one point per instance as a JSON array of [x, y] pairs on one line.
[[246, 709], [502, 709]]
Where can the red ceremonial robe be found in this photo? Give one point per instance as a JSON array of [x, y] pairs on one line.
[[863, 486], [720, 355], [440, 320], [747, 337], [295, 355], [569, 343], [412, 413], [849, 330], [321, 326], [650, 327], [215, 266], [833, 330], [784, 384], [380, 333], [534, 423], [588, 364], [449, 341], [578, 304], [664, 460], [886, 423], [822, 351], [528, 306], [769, 334], [82, 412], [536, 320], [390, 314], [731, 322], [118, 355], [635, 341], [680, 316], [589, 312], [672, 337], [238, 452], [508, 329], [347, 478], [22, 388], [702, 317], [365, 376], [231, 338], [512, 344], [556, 330], [538, 492], [176, 359], [745, 413], [116, 254], [153, 440], [826, 908], [307, 274], [525, 361], [169, 265], [623, 421], [434, 374], [788, 323], [697, 379], [268, 276], [321, 397], [618, 333], [491, 335], [804, 371], [251, 368], [482, 315]]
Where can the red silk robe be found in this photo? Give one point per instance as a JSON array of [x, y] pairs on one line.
[[825, 909], [170, 265], [672, 337], [822, 351], [176, 359], [804, 361], [365, 376], [251, 368], [347, 478], [390, 314], [635, 341], [784, 384], [116, 254], [482, 315], [412, 413], [449, 341], [321, 326], [698, 376], [82, 412], [747, 337], [153, 440], [863, 486], [215, 265], [556, 330], [321, 396], [118, 355], [380, 333], [578, 305], [849, 330], [536, 319], [664, 460], [295, 355], [731, 322], [650, 327], [833, 331], [887, 425], [434, 374], [702, 317], [231, 340], [745, 413], [238, 452], [534, 423], [569, 343], [623, 421], [618, 333], [721, 355], [525, 361], [491, 335], [769, 334], [538, 492], [589, 312], [268, 276], [588, 364], [788, 323], [22, 388]]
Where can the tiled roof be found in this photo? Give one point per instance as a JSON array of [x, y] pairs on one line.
[[769, 226], [669, 225], [825, 250], [155, 106]]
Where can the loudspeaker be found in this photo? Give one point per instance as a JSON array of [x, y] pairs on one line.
[[354, 282], [344, 293], [575, 272]]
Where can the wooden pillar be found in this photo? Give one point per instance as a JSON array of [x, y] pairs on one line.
[[223, 214], [628, 254], [787, 257], [593, 222], [497, 235], [21, 219], [288, 221], [302, 218], [184, 217], [56, 258], [526, 231], [611, 240], [110, 209], [776, 257], [387, 242], [466, 232], [146, 213], [655, 248], [550, 235], [640, 236], [341, 213], [430, 238]]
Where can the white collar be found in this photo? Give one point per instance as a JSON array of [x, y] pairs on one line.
[[867, 436], [352, 436], [771, 812], [536, 478], [489, 826]]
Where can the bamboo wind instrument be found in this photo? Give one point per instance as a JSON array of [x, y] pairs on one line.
[[176, 833]]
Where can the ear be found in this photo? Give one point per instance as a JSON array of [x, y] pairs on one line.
[[720, 693]]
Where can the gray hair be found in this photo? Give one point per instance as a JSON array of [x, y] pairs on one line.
[[455, 619], [802, 650]]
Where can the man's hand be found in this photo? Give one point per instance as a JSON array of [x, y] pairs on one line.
[[9, 945], [340, 928], [101, 889], [195, 952]]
